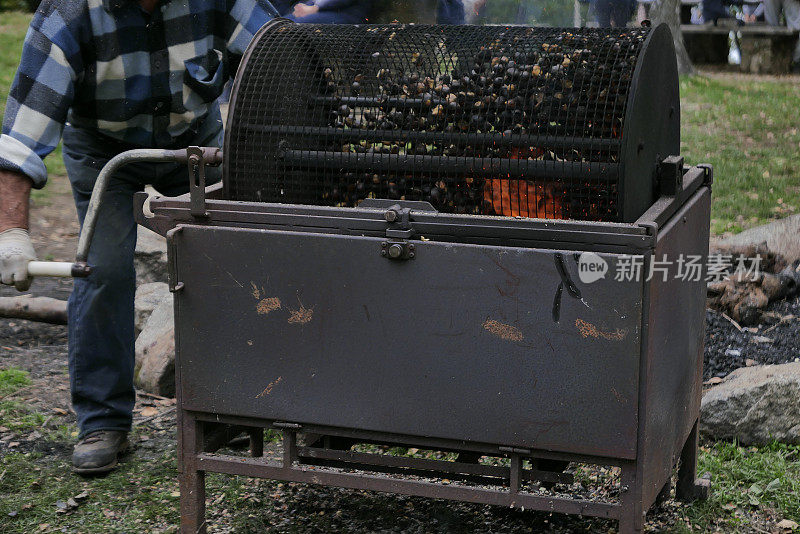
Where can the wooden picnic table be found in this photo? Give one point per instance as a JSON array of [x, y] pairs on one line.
[[764, 49]]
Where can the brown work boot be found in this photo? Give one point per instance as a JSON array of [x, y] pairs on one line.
[[97, 452]]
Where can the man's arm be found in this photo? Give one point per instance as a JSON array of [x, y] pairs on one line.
[[36, 111], [16, 249], [15, 191]]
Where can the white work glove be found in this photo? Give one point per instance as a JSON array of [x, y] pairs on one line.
[[16, 250]]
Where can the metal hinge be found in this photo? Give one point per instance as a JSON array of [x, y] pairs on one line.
[[396, 247], [172, 257], [515, 450]]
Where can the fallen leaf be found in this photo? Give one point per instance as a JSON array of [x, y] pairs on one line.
[[81, 496], [787, 524], [60, 411], [149, 411], [714, 380]]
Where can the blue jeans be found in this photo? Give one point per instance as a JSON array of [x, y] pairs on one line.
[[100, 310]]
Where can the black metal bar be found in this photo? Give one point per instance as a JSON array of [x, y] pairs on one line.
[[408, 163], [237, 465], [430, 465], [408, 441], [460, 139]]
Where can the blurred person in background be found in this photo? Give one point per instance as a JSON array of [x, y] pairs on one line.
[[326, 11], [791, 12], [753, 13], [613, 13]]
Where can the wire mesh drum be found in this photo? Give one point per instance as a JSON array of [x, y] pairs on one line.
[[484, 120]]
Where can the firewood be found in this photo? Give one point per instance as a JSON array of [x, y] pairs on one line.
[[41, 309]]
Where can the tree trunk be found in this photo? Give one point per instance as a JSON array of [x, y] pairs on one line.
[[667, 11]]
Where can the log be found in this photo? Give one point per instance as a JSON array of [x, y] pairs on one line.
[[41, 309]]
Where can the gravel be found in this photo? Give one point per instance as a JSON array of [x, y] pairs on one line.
[[775, 341]]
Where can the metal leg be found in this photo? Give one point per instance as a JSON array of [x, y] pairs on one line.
[[289, 448], [631, 519], [192, 481], [256, 442], [690, 488], [663, 495], [516, 473]]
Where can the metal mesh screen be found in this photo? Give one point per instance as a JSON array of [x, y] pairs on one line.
[[511, 121]]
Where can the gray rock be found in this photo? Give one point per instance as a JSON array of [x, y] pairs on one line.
[[756, 405], [148, 297], [150, 258], [155, 352], [781, 236]]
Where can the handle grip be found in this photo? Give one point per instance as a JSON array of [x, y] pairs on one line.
[[63, 269]]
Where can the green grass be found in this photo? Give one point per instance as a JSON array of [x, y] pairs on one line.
[[747, 129], [11, 380], [13, 26], [747, 479]]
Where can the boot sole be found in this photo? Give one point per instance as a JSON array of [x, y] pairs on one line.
[[90, 471]]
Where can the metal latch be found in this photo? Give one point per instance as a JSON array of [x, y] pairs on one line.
[[197, 159]]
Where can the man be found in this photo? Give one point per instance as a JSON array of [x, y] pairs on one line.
[[121, 74]]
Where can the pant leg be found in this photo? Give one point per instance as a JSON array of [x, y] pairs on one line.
[[791, 10], [602, 11], [620, 13], [772, 12], [101, 332]]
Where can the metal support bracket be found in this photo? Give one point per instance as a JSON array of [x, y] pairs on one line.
[[670, 175]]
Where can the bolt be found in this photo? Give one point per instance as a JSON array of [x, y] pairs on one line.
[[390, 216], [411, 247], [383, 253], [395, 251]]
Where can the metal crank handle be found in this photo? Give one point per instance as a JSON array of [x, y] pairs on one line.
[[80, 269]]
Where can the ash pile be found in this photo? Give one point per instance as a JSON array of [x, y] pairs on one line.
[[753, 315]]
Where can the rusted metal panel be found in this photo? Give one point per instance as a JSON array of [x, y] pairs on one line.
[[475, 343], [672, 367]]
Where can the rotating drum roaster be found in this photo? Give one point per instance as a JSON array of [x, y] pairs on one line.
[[398, 256]]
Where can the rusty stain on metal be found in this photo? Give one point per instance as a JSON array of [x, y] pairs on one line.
[[301, 315], [256, 291], [589, 330], [502, 330], [267, 305], [268, 389]]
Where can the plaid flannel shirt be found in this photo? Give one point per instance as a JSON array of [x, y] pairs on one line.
[[109, 66]]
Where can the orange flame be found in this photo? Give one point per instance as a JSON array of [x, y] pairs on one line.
[[520, 198]]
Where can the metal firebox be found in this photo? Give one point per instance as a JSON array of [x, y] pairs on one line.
[[325, 291]]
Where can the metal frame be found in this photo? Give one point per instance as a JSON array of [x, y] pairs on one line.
[[374, 472], [644, 477]]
